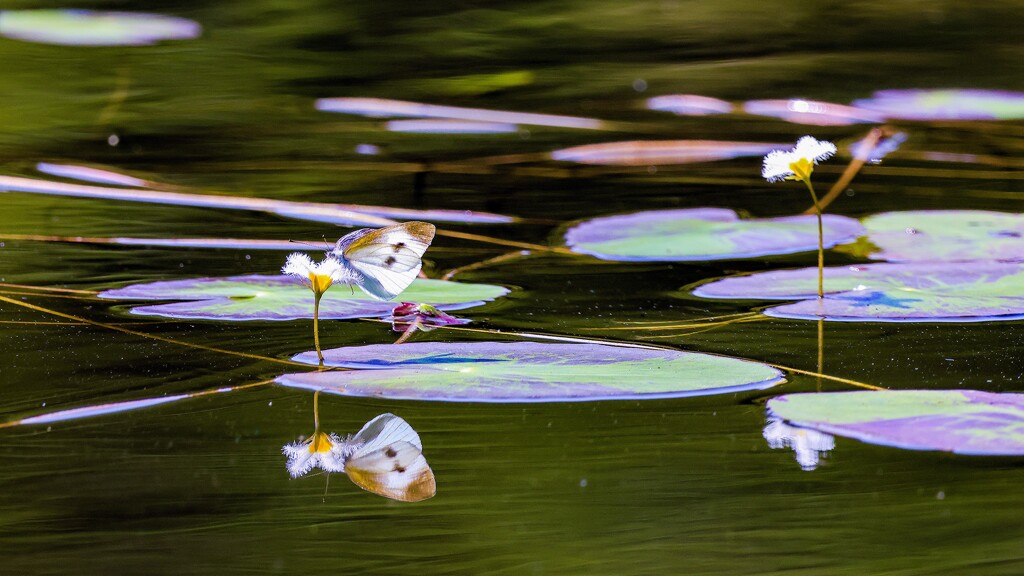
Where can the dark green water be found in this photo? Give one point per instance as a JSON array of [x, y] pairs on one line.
[[684, 486]]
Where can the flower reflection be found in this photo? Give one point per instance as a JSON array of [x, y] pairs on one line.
[[321, 450], [809, 445]]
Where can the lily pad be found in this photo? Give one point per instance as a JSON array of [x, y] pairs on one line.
[[385, 108], [914, 292], [660, 152], [689, 105], [528, 372], [959, 421], [343, 214], [946, 104], [946, 235], [446, 126], [89, 174], [94, 28], [811, 112], [698, 234], [282, 298]]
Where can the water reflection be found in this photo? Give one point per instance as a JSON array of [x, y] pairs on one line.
[[808, 445]]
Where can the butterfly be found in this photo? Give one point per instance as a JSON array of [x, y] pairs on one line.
[[386, 457], [386, 260]]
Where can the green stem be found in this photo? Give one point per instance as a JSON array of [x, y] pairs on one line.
[[316, 326], [316, 413], [821, 241]]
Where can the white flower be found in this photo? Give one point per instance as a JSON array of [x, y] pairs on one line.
[[798, 163], [318, 277], [809, 445], [326, 451]]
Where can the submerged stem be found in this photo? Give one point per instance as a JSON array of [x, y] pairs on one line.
[[316, 414], [821, 240]]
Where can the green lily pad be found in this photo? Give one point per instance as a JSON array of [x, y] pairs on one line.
[[528, 372], [952, 104], [282, 298], [946, 235], [698, 234], [959, 421], [912, 292]]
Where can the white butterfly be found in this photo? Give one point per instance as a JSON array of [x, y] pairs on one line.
[[386, 260], [386, 457]]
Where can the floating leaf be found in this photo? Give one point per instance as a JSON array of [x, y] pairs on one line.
[[281, 298], [959, 421], [445, 126], [698, 234], [88, 174], [93, 28], [811, 112], [382, 107], [528, 372], [343, 214], [946, 235], [914, 292], [660, 152], [946, 104], [689, 105]]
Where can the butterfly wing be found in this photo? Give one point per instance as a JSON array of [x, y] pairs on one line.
[[397, 471], [388, 258], [383, 431]]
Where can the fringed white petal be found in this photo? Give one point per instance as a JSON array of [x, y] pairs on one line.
[[298, 264], [813, 149], [777, 163]]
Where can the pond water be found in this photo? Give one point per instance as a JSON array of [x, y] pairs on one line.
[[659, 486]]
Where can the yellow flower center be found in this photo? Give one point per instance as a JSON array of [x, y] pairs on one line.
[[801, 170], [320, 442], [319, 283]]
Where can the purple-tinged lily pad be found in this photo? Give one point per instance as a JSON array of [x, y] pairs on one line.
[[528, 372], [446, 126], [342, 214], [660, 152], [87, 174], [698, 234], [93, 28], [913, 292], [384, 108], [282, 298], [959, 421], [946, 104], [689, 105], [811, 112], [946, 235]]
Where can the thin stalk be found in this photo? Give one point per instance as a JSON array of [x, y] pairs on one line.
[[821, 240], [316, 326], [316, 413]]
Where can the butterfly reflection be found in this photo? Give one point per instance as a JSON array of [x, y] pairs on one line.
[[808, 445], [385, 457]]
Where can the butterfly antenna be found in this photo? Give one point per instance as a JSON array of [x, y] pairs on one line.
[[326, 484], [330, 245], [303, 243]]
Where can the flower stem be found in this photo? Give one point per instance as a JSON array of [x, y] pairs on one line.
[[316, 326], [316, 413], [821, 240]]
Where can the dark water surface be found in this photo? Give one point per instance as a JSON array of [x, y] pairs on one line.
[[684, 486]]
